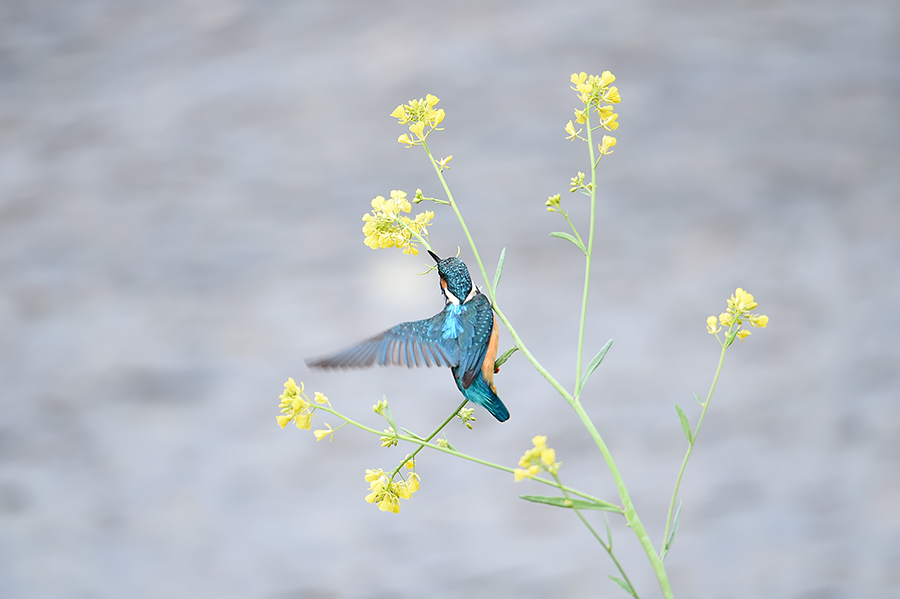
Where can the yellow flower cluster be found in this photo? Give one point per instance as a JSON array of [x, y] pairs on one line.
[[597, 93], [540, 457], [387, 227], [420, 114], [387, 493], [739, 306], [297, 407]]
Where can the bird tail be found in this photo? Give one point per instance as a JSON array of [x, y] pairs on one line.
[[479, 392]]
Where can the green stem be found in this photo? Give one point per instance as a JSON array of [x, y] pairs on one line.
[[608, 548], [574, 230], [417, 441], [440, 174], [696, 432], [416, 234], [430, 437], [588, 257], [630, 513], [512, 331]]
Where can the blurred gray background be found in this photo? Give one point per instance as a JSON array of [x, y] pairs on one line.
[[181, 192]]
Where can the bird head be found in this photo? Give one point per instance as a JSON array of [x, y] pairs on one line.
[[456, 284]]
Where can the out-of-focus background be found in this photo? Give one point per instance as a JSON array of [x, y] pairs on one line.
[[181, 187]]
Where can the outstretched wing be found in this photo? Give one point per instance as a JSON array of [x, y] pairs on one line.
[[417, 343]]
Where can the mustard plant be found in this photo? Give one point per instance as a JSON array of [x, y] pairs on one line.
[[388, 225]]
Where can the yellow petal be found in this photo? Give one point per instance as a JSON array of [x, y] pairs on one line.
[[399, 113], [548, 456]]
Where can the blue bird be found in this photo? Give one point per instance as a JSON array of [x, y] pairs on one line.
[[462, 336]]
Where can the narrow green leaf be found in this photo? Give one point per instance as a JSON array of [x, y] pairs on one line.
[[581, 504], [699, 401], [685, 425], [499, 271], [622, 584], [671, 538], [571, 238], [505, 356], [595, 362], [409, 433]]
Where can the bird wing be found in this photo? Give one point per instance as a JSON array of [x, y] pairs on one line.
[[477, 323], [408, 344]]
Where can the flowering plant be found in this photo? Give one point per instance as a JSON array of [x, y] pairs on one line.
[[389, 226]]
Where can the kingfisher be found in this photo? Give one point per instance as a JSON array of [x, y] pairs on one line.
[[462, 336]]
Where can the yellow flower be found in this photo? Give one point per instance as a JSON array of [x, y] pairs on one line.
[[385, 493], [418, 129], [303, 420], [295, 406], [607, 78], [739, 305], [389, 503], [419, 114], [612, 96], [760, 321], [387, 226], [322, 433], [538, 458], [548, 457], [290, 387], [725, 319], [519, 474], [442, 163], [606, 144], [400, 113], [712, 325], [373, 475], [572, 133], [741, 301], [610, 123]]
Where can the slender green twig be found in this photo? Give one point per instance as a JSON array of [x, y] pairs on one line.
[[607, 547], [587, 259], [431, 436], [418, 441], [687, 454], [509, 327], [573, 399]]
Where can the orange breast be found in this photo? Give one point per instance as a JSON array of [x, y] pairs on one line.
[[487, 368]]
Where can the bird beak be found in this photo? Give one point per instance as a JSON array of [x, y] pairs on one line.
[[437, 260]]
